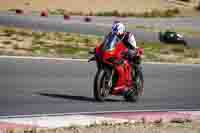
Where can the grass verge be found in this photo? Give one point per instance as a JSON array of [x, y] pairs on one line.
[[24, 42], [147, 14], [185, 31]]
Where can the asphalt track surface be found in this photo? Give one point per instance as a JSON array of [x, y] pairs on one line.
[[101, 25], [30, 87]]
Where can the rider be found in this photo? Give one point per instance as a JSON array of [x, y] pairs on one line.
[[123, 67]]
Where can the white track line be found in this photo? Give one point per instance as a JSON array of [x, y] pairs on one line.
[[40, 58], [99, 112], [86, 120], [82, 60]]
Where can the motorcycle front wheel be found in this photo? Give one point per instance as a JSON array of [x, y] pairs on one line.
[[100, 89]]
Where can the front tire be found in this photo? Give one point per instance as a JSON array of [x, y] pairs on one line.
[[99, 90]]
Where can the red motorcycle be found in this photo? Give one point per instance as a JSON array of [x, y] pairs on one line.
[[106, 76]]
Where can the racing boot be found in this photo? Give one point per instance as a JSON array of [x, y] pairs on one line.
[[141, 92]]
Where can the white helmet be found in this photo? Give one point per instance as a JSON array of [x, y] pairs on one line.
[[118, 28]]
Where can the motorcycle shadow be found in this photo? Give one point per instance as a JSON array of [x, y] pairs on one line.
[[77, 98]]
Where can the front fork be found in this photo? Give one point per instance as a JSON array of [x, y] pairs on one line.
[[110, 83]]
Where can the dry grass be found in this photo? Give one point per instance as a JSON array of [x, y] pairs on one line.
[[144, 7], [185, 0], [25, 42], [95, 6], [180, 127], [57, 44], [152, 13], [184, 31], [88, 6]]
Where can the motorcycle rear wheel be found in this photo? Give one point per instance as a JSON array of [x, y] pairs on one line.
[[133, 94]]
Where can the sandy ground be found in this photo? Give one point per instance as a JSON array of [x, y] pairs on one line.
[[193, 127], [95, 5]]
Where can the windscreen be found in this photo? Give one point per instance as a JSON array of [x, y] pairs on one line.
[[111, 42]]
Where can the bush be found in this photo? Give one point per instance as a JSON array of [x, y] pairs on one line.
[[24, 33], [185, 0], [99, 14], [110, 13], [107, 13], [17, 11], [192, 54], [198, 7], [116, 13], [145, 14], [11, 10], [124, 14], [76, 13], [155, 13], [178, 49], [168, 13], [171, 12], [91, 13], [7, 42], [60, 11], [175, 10]]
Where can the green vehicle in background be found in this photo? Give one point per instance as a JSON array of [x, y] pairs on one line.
[[172, 37]]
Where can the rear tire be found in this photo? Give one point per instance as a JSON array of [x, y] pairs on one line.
[[134, 94], [131, 96], [100, 92]]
